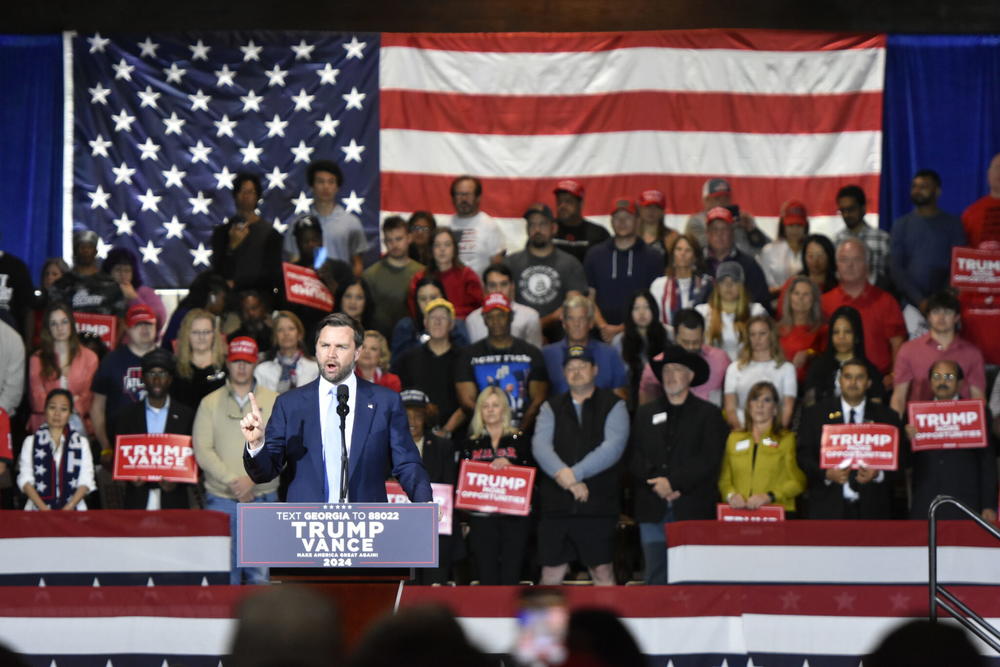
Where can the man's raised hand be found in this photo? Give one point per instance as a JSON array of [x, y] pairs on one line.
[[252, 424]]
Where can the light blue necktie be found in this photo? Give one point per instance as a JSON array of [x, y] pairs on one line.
[[331, 450]]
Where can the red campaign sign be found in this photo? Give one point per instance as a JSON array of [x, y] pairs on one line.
[[485, 489], [444, 496], [154, 457], [763, 514], [975, 269], [303, 286], [104, 327], [850, 445], [947, 424]]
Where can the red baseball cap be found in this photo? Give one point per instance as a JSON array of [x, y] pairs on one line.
[[138, 313], [620, 203], [719, 213], [494, 301], [652, 198], [569, 186], [793, 212], [242, 348]]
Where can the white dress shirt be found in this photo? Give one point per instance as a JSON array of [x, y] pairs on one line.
[[331, 431]]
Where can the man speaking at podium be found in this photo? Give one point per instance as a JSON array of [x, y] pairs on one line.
[[307, 423]]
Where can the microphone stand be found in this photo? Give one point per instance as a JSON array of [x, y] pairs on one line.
[[343, 409]]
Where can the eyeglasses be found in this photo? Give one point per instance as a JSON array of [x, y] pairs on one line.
[[205, 332], [420, 228], [944, 376], [157, 373]]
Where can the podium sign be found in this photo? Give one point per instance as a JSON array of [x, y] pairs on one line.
[[763, 514], [329, 535]]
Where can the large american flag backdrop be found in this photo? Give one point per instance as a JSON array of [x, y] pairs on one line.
[[161, 123]]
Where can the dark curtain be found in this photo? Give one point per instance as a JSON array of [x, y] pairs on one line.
[[31, 135], [942, 112]]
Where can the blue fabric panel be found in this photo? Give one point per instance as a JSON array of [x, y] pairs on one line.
[[942, 112], [31, 136]]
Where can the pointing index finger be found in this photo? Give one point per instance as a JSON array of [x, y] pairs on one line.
[[253, 404]]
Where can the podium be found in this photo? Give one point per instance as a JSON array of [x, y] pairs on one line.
[[357, 554]]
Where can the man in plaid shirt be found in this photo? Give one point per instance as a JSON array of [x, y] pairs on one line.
[[851, 202]]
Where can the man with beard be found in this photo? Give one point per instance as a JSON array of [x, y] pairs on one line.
[[676, 453], [921, 242], [543, 274], [575, 234], [304, 431], [481, 242]]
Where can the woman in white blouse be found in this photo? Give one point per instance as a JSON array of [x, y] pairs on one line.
[[684, 283], [761, 359], [289, 366], [782, 258], [56, 468], [728, 310]]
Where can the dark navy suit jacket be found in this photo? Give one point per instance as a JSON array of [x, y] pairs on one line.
[[380, 444]]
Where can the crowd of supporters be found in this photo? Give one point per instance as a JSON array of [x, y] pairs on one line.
[[647, 373]]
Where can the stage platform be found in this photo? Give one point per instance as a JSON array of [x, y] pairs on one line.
[[137, 588]]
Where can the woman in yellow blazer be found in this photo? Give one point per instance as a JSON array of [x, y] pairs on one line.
[[759, 466]]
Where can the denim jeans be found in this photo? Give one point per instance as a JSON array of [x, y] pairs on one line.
[[238, 575], [653, 537]]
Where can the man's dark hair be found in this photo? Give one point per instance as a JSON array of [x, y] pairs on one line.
[[466, 177], [328, 166], [689, 318], [854, 192], [342, 320], [959, 373], [394, 222], [943, 299], [502, 269], [292, 626], [247, 177], [921, 643], [929, 173], [856, 361]]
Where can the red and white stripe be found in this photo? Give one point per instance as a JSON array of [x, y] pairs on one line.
[[782, 115], [114, 541]]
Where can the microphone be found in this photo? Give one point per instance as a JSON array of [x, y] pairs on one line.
[[343, 409], [343, 393]]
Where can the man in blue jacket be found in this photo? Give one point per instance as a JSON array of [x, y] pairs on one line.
[[304, 430]]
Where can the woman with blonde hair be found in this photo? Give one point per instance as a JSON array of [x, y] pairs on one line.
[[61, 362], [373, 363], [801, 330], [287, 366], [759, 466], [760, 359], [201, 358], [728, 310], [497, 541]]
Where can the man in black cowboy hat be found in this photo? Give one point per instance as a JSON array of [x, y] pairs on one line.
[[677, 446]]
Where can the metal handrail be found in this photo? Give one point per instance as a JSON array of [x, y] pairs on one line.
[[972, 621]]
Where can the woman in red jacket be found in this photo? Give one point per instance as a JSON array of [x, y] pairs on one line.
[[462, 286]]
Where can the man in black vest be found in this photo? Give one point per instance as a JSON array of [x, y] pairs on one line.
[[677, 446], [839, 493], [579, 438]]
